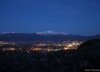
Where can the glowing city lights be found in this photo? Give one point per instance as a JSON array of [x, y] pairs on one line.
[[44, 47]]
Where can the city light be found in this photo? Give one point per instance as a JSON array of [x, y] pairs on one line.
[[9, 49], [44, 47]]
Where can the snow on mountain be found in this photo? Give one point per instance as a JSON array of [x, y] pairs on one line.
[[51, 33]]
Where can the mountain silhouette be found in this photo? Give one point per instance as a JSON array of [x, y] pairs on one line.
[[88, 54], [30, 37]]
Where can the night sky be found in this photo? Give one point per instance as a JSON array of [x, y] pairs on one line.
[[70, 16]]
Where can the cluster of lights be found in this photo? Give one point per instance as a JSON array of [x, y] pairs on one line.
[[9, 49], [47, 47], [72, 45]]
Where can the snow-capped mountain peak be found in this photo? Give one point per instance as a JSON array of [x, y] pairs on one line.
[[51, 32]]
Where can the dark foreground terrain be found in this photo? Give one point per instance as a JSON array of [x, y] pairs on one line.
[[86, 57]]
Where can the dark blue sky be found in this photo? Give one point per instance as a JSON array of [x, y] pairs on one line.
[[70, 16]]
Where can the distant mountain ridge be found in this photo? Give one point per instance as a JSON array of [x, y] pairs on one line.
[[30, 37]]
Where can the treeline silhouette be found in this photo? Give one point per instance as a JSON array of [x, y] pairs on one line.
[[87, 56]]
